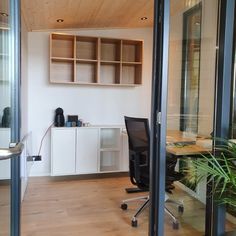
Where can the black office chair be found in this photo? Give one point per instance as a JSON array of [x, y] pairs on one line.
[[139, 164]]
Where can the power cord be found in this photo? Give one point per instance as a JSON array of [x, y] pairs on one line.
[[41, 142]]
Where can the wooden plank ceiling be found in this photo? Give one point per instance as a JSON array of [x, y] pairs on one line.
[[43, 14]]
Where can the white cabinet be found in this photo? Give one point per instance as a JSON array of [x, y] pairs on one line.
[[110, 156], [125, 151], [63, 151], [87, 150], [5, 166]]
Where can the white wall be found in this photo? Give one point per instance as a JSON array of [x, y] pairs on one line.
[[24, 108], [24, 79], [97, 105]]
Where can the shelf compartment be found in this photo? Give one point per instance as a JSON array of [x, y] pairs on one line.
[[95, 61], [131, 74], [110, 138], [86, 48], [109, 161], [62, 71], [110, 50], [110, 73], [132, 51], [86, 72], [62, 46]]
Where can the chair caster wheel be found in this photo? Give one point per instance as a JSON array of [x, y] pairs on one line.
[[124, 206], [181, 209], [134, 223], [175, 225]]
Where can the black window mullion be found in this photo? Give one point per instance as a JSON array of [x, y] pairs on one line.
[[215, 213], [158, 117]]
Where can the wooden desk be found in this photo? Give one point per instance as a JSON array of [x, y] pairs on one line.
[[187, 150], [174, 136]]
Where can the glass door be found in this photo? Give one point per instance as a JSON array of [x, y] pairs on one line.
[[193, 52], [5, 132], [190, 104], [9, 117]]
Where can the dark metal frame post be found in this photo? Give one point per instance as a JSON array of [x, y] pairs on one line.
[[15, 62], [158, 117], [215, 214]]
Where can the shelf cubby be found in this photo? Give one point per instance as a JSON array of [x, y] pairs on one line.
[[110, 50], [132, 51], [110, 73], [110, 138], [62, 46], [109, 161], [86, 48], [131, 74], [86, 72], [62, 71]]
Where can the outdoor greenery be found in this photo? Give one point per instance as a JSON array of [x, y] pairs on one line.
[[220, 170]]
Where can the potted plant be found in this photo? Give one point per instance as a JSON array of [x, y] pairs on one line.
[[220, 170]]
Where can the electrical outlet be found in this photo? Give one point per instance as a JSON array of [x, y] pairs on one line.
[[37, 158], [34, 158]]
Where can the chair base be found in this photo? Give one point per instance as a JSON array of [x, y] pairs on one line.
[[134, 221], [135, 190], [124, 206]]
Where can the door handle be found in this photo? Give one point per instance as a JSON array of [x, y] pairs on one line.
[[13, 151]]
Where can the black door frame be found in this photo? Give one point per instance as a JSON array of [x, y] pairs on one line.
[[15, 65], [215, 215], [158, 116], [224, 76]]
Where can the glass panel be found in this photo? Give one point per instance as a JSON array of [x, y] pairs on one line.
[[5, 117], [191, 47], [191, 81], [233, 122], [231, 210]]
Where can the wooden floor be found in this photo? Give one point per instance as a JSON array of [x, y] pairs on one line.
[[4, 209], [92, 207]]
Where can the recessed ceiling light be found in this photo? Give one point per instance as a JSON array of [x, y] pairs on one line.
[[4, 14], [60, 20], [143, 18]]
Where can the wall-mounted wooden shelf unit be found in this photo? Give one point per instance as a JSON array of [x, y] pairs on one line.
[[95, 61]]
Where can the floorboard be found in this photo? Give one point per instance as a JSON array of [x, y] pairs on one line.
[[92, 207]]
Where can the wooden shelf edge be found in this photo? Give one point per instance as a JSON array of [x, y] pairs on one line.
[[86, 60], [61, 59], [96, 84], [131, 63], [104, 62]]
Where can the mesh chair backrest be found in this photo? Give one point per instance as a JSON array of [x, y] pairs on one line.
[[138, 136], [138, 132]]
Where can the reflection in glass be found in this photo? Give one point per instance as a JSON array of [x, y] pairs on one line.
[[191, 82], [190, 69], [230, 209], [233, 116], [4, 118]]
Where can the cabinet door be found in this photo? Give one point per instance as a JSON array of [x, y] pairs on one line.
[[125, 152], [87, 150], [4, 143], [63, 151]]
